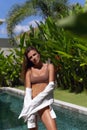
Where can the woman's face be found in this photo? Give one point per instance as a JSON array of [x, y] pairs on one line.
[[34, 57]]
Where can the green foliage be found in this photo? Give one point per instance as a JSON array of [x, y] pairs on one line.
[[54, 44], [67, 54], [66, 50], [9, 70]]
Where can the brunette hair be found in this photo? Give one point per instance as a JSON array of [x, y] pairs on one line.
[[27, 64]]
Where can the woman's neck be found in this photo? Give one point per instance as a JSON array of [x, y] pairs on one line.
[[39, 65]]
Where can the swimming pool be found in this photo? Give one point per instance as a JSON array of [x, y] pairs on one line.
[[10, 107]]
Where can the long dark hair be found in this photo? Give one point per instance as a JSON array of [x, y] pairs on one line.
[[27, 64]]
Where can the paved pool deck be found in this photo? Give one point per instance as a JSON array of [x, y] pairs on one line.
[[70, 106]]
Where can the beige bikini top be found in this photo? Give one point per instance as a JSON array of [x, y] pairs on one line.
[[42, 78]]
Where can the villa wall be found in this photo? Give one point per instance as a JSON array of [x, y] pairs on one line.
[[6, 46]]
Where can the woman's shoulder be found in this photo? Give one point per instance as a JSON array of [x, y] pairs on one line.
[[28, 72], [50, 65]]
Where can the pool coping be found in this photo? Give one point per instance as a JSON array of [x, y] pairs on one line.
[[62, 104]]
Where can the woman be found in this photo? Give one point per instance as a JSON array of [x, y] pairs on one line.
[[39, 84]]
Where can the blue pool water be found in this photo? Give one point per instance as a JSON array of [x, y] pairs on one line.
[[10, 108]]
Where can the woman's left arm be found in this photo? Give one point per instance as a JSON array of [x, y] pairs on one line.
[[51, 72]]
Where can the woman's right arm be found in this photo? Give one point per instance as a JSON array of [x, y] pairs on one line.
[[28, 89], [27, 79]]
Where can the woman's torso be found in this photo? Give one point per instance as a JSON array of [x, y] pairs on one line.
[[39, 79]]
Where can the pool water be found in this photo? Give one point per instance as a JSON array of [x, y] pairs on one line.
[[10, 108]]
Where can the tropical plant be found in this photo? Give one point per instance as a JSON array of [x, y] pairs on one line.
[[9, 70], [56, 43], [64, 51]]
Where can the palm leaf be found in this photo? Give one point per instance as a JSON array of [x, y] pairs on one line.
[[64, 54], [82, 47]]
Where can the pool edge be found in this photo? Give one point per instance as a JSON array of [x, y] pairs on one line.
[[66, 105]]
